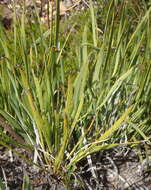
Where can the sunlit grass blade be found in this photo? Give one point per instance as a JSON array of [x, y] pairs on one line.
[[94, 24], [114, 88], [65, 138], [104, 137]]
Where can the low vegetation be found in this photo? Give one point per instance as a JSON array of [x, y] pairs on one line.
[[79, 87]]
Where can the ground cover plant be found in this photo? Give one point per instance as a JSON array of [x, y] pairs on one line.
[[67, 93]]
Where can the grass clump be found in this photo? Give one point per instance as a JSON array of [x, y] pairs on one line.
[[103, 101]]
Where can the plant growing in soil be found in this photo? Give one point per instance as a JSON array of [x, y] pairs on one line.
[[60, 116]]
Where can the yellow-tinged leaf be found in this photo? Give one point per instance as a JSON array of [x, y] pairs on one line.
[[89, 150], [94, 147], [39, 92], [69, 102], [116, 125], [64, 143], [40, 123]]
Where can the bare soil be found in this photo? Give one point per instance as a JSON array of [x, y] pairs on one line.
[[118, 169]]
